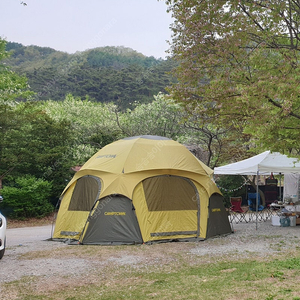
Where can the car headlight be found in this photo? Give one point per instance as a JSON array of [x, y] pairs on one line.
[[1, 222]]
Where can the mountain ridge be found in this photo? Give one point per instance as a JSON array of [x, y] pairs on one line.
[[105, 74]]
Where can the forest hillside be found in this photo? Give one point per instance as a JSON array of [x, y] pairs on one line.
[[108, 74]]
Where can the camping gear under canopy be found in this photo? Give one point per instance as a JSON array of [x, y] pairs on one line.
[[291, 188], [141, 189], [265, 163]]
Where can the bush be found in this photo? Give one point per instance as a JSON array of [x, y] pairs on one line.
[[28, 198], [231, 186]]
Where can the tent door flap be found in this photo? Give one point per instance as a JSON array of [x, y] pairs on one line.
[[113, 221]]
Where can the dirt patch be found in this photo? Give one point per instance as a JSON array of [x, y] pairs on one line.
[[30, 222]]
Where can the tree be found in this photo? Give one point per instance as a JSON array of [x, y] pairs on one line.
[[93, 125], [36, 144], [12, 87], [161, 117], [239, 65], [221, 143], [107, 74]]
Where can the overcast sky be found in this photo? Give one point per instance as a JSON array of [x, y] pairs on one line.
[[76, 25]]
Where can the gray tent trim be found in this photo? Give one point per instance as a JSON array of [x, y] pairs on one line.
[[148, 137], [173, 233]]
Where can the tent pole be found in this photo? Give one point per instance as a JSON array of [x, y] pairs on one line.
[[257, 196], [280, 187]]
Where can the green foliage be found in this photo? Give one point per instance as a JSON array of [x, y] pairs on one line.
[[161, 117], [290, 263], [93, 124], [12, 86], [28, 197], [34, 143], [242, 69], [109, 57], [108, 74], [231, 186]]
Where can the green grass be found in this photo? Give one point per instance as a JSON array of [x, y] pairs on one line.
[[251, 279]]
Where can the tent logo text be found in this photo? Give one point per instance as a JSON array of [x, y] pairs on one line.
[[107, 156], [216, 209], [115, 213]]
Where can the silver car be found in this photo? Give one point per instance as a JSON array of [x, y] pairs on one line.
[[2, 233]]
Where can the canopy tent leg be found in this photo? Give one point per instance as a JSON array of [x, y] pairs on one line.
[[280, 196], [257, 198]]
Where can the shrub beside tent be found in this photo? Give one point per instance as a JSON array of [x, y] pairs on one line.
[[138, 190]]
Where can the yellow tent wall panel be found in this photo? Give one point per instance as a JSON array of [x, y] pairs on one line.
[[204, 202], [70, 223], [156, 225], [172, 225], [141, 209]]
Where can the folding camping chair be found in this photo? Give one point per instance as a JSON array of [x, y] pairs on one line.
[[236, 211], [252, 206], [270, 197]]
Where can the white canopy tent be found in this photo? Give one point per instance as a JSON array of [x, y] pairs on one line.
[[262, 164]]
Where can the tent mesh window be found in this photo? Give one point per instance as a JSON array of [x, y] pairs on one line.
[[165, 193], [85, 194]]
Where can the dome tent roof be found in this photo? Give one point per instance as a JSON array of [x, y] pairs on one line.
[[146, 152]]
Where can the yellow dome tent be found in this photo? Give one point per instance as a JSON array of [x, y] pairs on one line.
[[141, 189]]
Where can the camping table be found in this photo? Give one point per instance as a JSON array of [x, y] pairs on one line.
[[267, 213], [275, 207]]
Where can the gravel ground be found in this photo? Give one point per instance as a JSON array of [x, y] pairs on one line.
[[29, 253]]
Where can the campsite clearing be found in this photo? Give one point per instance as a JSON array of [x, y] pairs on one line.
[[249, 264]]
